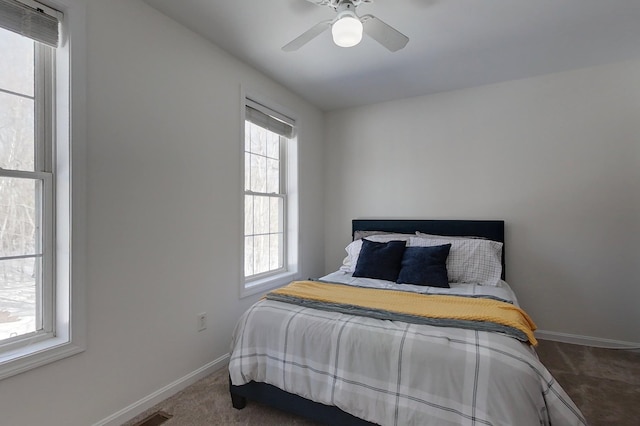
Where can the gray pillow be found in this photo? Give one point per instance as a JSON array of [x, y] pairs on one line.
[[358, 235]]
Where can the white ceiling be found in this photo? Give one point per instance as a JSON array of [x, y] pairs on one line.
[[453, 44]]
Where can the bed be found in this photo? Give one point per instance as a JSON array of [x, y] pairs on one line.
[[339, 363]]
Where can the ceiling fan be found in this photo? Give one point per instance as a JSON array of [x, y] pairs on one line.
[[347, 28]]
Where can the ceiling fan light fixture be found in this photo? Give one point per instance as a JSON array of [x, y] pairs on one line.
[[347, 31], [347, 28]]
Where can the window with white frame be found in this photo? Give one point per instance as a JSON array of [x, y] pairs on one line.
[[35, 315], [270, 215]]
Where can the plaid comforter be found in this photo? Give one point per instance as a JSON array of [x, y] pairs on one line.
[[396, 373]]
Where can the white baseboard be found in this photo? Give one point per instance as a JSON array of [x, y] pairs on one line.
[[160, 395], [576, 339]]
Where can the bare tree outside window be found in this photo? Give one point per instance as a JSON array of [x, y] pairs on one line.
[[19, 195], [264, 201]]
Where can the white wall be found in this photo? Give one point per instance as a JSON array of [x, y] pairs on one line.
[[557, 157], [164, 215]]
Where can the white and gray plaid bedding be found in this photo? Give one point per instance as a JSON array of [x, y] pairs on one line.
[[395, 373]]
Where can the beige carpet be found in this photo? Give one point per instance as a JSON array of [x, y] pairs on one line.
[[604, 383]]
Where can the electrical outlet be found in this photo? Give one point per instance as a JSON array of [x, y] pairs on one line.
[[202, 321]]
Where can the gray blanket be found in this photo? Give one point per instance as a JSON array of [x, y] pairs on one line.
[[396, 316], [397, 373]]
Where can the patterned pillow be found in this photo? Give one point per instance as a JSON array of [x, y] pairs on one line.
[[470, 260]]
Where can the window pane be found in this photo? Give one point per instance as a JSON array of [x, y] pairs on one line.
[[258, 140], [273, 145], [261, 254], [247, 136], [264, 223], [19, 218], [18, 297], [275, 214], [258, 173], [16, 66], [248, 215], [273, 176], [17, 139], [260, 215], [247, 171], [275, 251], [248, 256]]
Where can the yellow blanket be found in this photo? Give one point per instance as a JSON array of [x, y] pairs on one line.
[[420, 305]]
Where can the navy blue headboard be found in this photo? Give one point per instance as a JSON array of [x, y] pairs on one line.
[[489, 229]]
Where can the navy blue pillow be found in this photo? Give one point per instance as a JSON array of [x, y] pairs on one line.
[[380, 260], [425, 266]]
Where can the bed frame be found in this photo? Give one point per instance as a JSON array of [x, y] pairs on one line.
[[270, 395]]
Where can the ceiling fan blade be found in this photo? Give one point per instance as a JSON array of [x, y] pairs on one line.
[[383, 33], [307, 36], [320, 2], [300, 7]]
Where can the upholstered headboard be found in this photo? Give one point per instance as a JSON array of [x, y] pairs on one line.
[[489, 229]]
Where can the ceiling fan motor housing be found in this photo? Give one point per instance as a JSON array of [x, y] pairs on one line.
[[337, 3], [346, 8]]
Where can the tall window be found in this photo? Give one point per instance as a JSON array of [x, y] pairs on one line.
[[34, 200], [267, 138]]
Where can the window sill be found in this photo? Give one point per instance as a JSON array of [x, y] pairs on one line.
[[265, 284], [36, 355]]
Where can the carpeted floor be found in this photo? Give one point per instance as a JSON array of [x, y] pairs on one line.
[[604, 384]]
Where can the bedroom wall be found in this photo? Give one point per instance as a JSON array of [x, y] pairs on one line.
[[557, 157], [163, 213]]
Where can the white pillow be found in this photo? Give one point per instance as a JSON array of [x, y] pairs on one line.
[[353, 249], [470, 260], [446, 237]]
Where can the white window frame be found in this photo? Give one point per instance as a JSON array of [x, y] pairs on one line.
[[289, 184], [281, 195], [43, 172], [65, 332]]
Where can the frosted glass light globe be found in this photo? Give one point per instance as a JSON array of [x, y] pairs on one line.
[[347, 31]]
